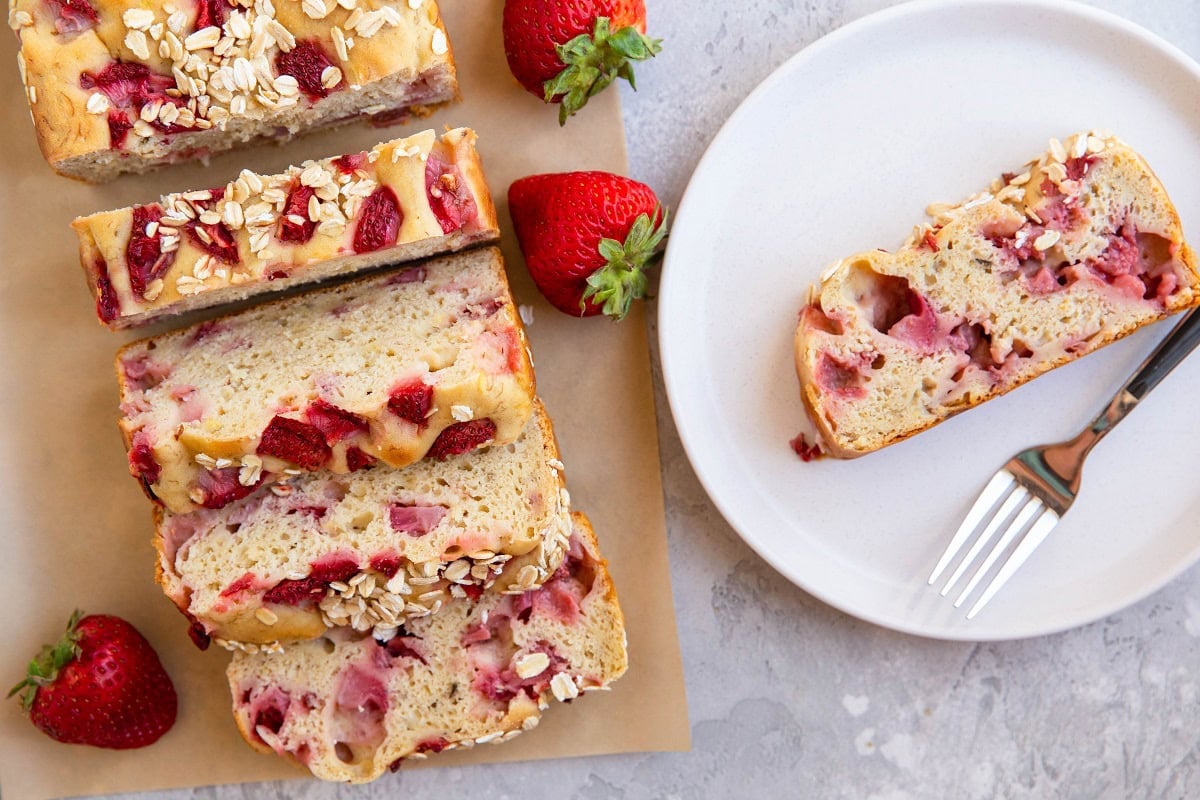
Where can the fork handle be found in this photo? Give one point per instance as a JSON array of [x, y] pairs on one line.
[[1182, 339]]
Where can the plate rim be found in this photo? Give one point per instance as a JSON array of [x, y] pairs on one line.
[[666, 309]]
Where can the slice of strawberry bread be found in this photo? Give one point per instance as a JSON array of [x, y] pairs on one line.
[[1073, 251], [371, 549], [402, 200], [349, 707], [430, 360], [116, 86]]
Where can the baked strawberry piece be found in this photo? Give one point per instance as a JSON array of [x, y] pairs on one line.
[[371, 549], [382, 369], [116, 88], [349, 707], [402, 200], [1075, 250]]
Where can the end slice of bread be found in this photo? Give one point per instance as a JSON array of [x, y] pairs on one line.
[[114, 89], [1077, 249], [349, 708]]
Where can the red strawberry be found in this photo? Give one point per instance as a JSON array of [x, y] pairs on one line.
[[101, 684], [571, 227], [306, 62], [294, 441], [73, 16], [220, 487], [211, 13], [108, 305], [462, 437], [379, 221], [412, 402], [294, 591], [296, 205], [143, 254], [565, 51], [334, 423]]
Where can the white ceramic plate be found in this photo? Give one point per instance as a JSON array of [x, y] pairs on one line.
[[840, 150]]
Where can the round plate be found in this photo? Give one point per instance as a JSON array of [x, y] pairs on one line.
[[839, 151]]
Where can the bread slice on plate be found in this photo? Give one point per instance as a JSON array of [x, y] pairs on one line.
[[370, 549], [429, 360], [117, 87], [1075, 250], [402, 200], [349, 707]]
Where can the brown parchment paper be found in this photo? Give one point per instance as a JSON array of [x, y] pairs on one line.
[[75, 529]]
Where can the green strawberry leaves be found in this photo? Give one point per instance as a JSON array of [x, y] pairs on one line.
[[44, 668], [622, 279], [594, 61]]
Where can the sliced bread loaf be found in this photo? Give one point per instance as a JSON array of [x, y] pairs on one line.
[[428, 360], [348, 707], [400, 201], [1075, 250], [371, 549]]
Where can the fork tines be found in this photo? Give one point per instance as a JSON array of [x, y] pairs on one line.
[[1013, 498]]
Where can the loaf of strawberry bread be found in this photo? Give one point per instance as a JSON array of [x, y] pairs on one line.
[[429, 360], [1076, 249], [349, 707], [118, 87], [402, 200], [370, 549]]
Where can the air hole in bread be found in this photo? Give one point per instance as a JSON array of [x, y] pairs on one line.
[[1154, 250], [453, 551], [327, 644], [343, 752], [884, 299], [879, 361]]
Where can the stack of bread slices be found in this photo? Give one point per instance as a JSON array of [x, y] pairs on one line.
[[356, 488]]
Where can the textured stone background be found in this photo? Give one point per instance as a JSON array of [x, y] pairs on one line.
[[790, 698]]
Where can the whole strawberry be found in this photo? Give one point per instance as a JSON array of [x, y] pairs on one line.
[[101, 684], [566, 51], [587, 238]]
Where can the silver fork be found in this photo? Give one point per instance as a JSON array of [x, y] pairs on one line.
[[1039, 484]]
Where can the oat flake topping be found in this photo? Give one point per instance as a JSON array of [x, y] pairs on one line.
[[226, 71]]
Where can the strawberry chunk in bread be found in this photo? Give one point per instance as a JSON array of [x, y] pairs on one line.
[[402, 200], [429, 359], [371, 549], [349, 707], [1078, 248], [117, 87]]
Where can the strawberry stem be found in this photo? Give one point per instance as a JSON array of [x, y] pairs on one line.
[[44, 668], [595, 60], [622, 279]]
